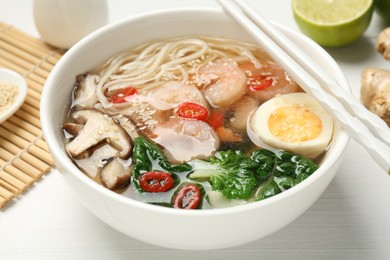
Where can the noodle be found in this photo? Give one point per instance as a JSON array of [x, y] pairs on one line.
[[150, 64]]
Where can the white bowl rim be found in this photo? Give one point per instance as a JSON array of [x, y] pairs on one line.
[[61, 156], [22, 92]]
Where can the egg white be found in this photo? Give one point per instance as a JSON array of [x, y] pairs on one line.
[[310, 148]]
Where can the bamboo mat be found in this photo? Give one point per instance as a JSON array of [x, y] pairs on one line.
[[24, 155]]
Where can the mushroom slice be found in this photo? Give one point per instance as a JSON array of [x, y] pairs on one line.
[[72, 128], [85, 94], [98, 127], [115, 175], [128, 125], [96, 159]]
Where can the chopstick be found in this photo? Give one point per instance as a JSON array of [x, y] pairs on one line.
[[376, 125], [363, 126]]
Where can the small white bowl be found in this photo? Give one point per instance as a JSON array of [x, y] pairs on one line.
[[168, 227], [13, 77]]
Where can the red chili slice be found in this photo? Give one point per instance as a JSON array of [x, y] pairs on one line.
[[188, 197], [192, 111], [121, 96], [215, 119], [156, 181], [260, 83]]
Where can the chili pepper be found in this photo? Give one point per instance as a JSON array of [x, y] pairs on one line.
[[156, 181], [192, 111], [215, 119], [121, 96], [259, 83], [187, 197]]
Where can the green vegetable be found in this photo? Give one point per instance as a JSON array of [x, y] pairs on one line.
[[283, 163], [286, 182], [280, 171], [217, 200], [260, 176], [266, 162], [269, 189], [147, 156], [231, 173]]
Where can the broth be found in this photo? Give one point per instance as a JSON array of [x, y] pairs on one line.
[[167, 123]]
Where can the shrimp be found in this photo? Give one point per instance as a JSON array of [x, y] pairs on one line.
[[224, 83], [173, 93], [279, 81]]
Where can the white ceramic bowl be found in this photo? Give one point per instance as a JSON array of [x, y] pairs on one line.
[[14, 78], [167, 227]]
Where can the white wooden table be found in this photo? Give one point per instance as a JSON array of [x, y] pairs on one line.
[[350, 220]]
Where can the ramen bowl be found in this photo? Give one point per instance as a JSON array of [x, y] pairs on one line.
[[162, 226]]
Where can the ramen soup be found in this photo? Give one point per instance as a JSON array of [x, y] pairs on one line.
[[195, 123]]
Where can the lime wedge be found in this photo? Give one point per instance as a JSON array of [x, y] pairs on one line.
[[333, 23]]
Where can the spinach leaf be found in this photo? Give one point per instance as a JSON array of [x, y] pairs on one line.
[[147, 156], [268, 189], [280, 171]]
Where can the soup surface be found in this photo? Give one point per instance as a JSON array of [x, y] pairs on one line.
[[195, 122]]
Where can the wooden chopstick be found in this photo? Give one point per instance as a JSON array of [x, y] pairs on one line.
[[369, 134]]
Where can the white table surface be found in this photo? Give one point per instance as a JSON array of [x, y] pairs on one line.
[[349, 221]]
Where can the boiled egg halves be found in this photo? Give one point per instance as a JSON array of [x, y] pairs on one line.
[[294, 122]]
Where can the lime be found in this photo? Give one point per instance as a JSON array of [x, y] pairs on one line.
[[383, 9], [333, 23]]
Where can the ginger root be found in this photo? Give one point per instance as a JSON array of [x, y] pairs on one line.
[[383, 43], [375, 92]]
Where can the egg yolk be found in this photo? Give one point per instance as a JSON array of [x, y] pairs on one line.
[[294, 124]]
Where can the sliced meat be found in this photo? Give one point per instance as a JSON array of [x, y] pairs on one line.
[[186, 139]]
